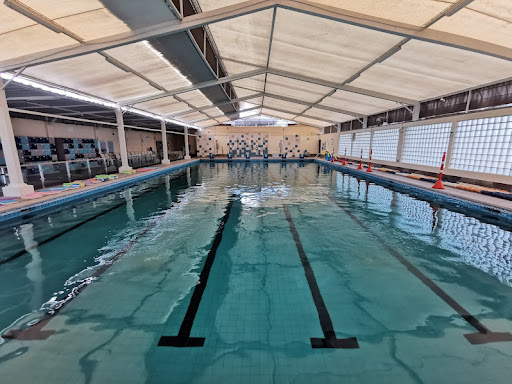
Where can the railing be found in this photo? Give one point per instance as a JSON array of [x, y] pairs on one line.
[[43, 175]]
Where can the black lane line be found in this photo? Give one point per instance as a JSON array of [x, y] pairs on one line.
[[330, 340], [484, 334], [35, 332], [78, 225], [183, 338]]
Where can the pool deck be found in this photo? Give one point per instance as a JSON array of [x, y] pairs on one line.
[[475, 197], [108, 186], [24, 206]]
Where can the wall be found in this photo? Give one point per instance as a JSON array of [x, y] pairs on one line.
[[136, 141], [219, 135], [478, 145]]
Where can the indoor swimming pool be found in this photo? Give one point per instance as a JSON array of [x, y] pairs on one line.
[[256, 273]]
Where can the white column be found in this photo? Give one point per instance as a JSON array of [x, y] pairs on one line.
[[187, 154], [16, 187], [365, 122], [122, 141], [165, 153], [416, 112]]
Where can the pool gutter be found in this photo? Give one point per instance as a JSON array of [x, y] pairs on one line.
[[497, 213], [105, 188]]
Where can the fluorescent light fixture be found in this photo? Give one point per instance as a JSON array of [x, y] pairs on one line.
[[89, 99], [162, 57]]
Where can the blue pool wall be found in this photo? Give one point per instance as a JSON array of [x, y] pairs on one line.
[[503, 216], [495, 213]]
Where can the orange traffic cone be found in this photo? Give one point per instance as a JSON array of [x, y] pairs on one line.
[[361, 161], [370, 164], [439, 182]]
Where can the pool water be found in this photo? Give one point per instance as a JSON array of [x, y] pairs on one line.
[[256, 273]]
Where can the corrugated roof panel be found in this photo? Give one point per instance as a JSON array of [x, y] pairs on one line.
[[195, 98], [355, 102], [284, 105], [235, 68], [213, 112], [223, 119], [328, 115], [422, 70], [296, 89], [488, 20], [415, 12], [207, 123], [192, 117], [280, 115], [141, 58], [94, 75], [306, 120], [242, 92], [165, 106], [323, 48], [254, 83], [31, 40], [249, 34]]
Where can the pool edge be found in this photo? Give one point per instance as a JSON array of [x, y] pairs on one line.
[[428, 194], [19, 213]]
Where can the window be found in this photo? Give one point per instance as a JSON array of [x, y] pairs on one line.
[[425, 144], [361, 142], [483, 145], [345, 143], [385, 144]]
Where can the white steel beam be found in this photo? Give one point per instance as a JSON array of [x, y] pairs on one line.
[[205, 84]]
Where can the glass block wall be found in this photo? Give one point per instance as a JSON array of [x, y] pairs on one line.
[[425, 144], [385, 144], [483, 145], [361, 141], [345, 143]]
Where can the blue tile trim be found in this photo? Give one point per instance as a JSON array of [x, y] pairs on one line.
[[502, 215], [77, 197], [269, 160]]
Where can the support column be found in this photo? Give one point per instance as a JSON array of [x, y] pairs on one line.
[[365, 122], [165, 153], [416, 112], [122, 141], [187, 154], [16, 187]]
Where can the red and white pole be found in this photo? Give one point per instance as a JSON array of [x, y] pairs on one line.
[[345, 158], [370, 165], [361, 161], [439, 182]]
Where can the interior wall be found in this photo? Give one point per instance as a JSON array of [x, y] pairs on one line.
[[136, 141], [309, 137]]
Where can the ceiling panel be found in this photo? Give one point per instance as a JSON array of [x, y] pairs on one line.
[[328, 115], [422, 70], [165, 106], [301, 90], [306, 120], [323, 48], [488, 20], [144, 58], [415, 12], [252, 32], [280, 115], [365, 105], [284, 105], [254, 84], [94, 75]]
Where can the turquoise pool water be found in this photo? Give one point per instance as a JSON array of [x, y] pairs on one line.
[[256, 273]]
